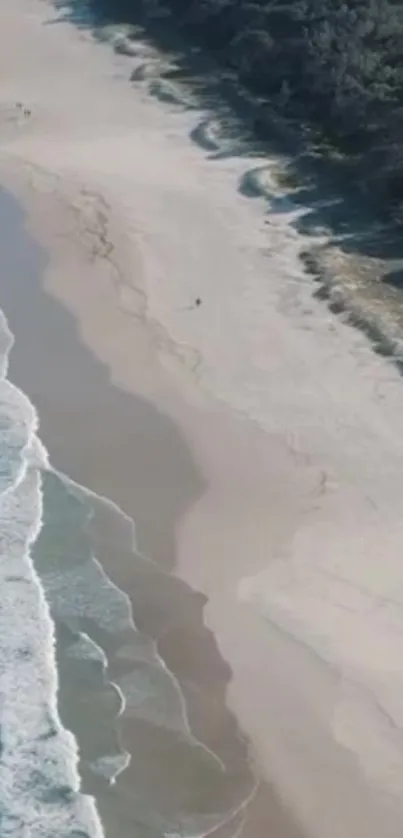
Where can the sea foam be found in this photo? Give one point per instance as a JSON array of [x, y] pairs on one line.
[[39, 781]]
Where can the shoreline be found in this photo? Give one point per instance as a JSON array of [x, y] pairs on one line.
[[238, 631], [164, 607], [274, 452]]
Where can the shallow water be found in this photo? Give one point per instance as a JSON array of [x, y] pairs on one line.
[[95, 733], [38, 757]]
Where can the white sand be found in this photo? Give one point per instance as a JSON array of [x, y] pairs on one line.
[[298, 540]]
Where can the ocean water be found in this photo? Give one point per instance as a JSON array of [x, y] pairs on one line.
[[94, 732], [38, 758]]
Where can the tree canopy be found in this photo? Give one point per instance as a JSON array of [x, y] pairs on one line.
[[333, 64]]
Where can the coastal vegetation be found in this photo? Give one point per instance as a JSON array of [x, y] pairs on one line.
[[333, 66]]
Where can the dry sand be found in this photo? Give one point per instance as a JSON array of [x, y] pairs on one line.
[[278, 471]]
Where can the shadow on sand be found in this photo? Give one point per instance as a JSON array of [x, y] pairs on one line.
[[312, 186], [237, 124]]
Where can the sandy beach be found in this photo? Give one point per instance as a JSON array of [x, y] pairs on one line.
[[255, 440]]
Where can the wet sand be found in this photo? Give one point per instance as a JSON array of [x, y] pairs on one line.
[[126, 449]]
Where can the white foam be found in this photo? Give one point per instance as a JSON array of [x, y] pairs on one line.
[[110, 766], [79, 593], [86, 649], [38, 755], [86, 592], [38, 759]]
